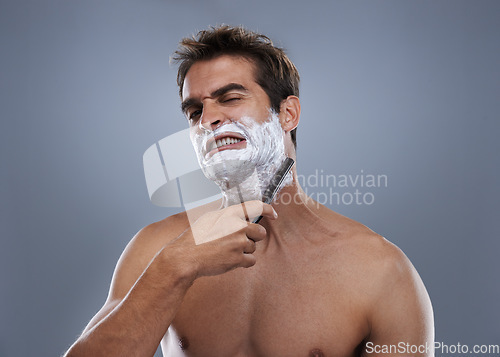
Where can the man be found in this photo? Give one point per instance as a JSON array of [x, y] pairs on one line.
[[305, 281]]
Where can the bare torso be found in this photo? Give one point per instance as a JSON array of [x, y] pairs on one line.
[[320, 285], [304, 297]]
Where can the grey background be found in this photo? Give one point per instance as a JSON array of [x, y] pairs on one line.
[[404, 88]]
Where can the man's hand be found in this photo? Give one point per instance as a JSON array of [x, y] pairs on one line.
[[222, 240], [153, 276]]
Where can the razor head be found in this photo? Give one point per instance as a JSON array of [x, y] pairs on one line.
[[277, 180], [276, 183]]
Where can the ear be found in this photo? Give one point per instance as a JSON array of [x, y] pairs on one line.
[[290, 113]]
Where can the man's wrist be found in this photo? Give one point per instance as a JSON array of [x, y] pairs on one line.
[[183, 271]]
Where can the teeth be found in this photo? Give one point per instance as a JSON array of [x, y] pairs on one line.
[[225, 141]]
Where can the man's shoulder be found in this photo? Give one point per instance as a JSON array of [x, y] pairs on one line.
[[358, 236], [365, 250], [381, 265], [383, 283], [164, 230], [390, 283], [376, 266], [385, 259], [376, 253], [154, 236], [142, 248]]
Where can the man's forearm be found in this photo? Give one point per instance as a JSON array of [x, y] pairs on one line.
[[136, 325]]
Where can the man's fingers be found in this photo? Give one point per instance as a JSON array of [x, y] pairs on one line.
[[252, 209], [249, 260], [255, 232], [250, 247]]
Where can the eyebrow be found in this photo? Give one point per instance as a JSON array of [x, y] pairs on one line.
[[216, 93], [228, 87]]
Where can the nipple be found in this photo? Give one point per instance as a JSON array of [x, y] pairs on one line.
[[183, 343], [316, 353]]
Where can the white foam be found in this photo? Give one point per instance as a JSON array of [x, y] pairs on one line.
[[244, 174]]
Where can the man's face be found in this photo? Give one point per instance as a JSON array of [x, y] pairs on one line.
[[232, 127], [220, 91]]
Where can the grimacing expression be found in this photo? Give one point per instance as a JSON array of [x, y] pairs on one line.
[[233, 130], [221, 90]]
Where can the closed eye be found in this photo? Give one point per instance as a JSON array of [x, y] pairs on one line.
[[230, 99], [195, 114]]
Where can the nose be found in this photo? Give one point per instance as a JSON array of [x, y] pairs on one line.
[[212, 117]]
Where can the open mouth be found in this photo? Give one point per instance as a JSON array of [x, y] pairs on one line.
[[225, 141]]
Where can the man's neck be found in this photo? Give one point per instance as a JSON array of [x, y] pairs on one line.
[[299, 216]]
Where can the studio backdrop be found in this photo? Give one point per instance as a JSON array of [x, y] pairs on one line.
[[399, 130]]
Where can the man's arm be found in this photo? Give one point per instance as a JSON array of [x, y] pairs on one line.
[[146, 280], [156, 270], [401, 319]]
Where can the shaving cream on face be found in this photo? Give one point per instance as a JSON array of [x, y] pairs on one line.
[[243, 174]]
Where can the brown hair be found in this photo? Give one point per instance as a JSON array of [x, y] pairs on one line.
[[276, 74]]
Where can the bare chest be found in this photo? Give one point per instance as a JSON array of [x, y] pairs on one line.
[[299, 312]]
